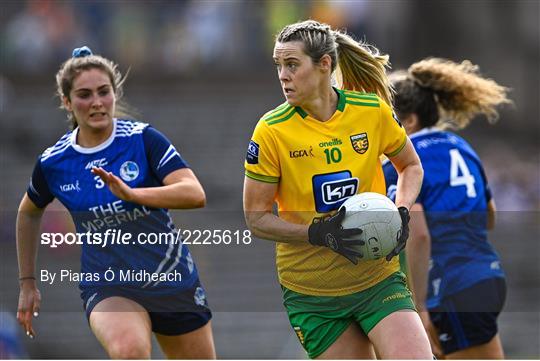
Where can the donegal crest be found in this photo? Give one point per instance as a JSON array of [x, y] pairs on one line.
[[360, 143]]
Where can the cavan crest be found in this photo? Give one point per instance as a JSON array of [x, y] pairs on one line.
[[360, 143], [129, 171]]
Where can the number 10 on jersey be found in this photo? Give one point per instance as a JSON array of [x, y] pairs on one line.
[[333, 155]]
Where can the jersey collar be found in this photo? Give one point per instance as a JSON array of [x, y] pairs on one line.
[[340, 104], [95, 149]]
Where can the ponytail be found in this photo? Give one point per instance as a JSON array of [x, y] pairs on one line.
[[362, 67], [447, 94]]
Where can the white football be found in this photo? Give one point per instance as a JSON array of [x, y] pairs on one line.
[[378, 217]]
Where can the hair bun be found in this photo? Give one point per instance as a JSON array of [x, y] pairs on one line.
[[81, 52]]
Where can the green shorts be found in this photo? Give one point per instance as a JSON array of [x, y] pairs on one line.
[[318, 321]]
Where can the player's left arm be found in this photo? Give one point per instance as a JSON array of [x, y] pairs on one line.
[[399, 149], [418, 251], [491, 208], [181, 190], [410, 175], [492, 214]]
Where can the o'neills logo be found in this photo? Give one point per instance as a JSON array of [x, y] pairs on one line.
[[395, 296], [301, 153], [332, 143]]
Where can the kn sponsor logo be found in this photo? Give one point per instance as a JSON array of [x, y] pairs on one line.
[[332, 189], [336, 191]]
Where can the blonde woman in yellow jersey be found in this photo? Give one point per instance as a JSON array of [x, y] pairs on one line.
[[310, 154]]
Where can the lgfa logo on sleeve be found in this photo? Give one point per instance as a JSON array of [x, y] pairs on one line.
[[252, 156]]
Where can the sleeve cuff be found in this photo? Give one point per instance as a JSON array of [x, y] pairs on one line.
[[396, 152], [36, 200], [262, 178]]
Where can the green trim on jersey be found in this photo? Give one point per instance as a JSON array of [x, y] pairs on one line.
[[340, 104], [376, 105], [363, 99], [396, 152], [262, 178], [341, 99], [359, 95], [282, 113], [301, 112], [273, 121], [277, 113]]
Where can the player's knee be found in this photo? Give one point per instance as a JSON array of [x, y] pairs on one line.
[[129, 347]]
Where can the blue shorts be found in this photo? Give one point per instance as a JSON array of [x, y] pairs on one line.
[[469, 317], [171, 314]]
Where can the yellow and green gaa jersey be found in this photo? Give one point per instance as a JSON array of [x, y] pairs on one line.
[[317, 166]]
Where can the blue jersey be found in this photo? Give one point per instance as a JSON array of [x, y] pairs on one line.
[[142, 157], [454, 196]]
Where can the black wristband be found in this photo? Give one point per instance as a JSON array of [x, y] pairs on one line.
[[312, 233], [27, 278]]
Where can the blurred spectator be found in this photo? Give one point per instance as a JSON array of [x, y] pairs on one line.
[[130, 33], [279, 14], [330, 13], [38, 33], [25, 35]]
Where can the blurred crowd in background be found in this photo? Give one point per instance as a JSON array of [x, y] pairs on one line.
[[176, 37], [202, 72], [164, 40]]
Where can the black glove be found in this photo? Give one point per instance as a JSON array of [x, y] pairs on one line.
[[328, 232], [403, 235]]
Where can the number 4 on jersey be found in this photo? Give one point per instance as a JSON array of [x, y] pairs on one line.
[[457, 167]]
